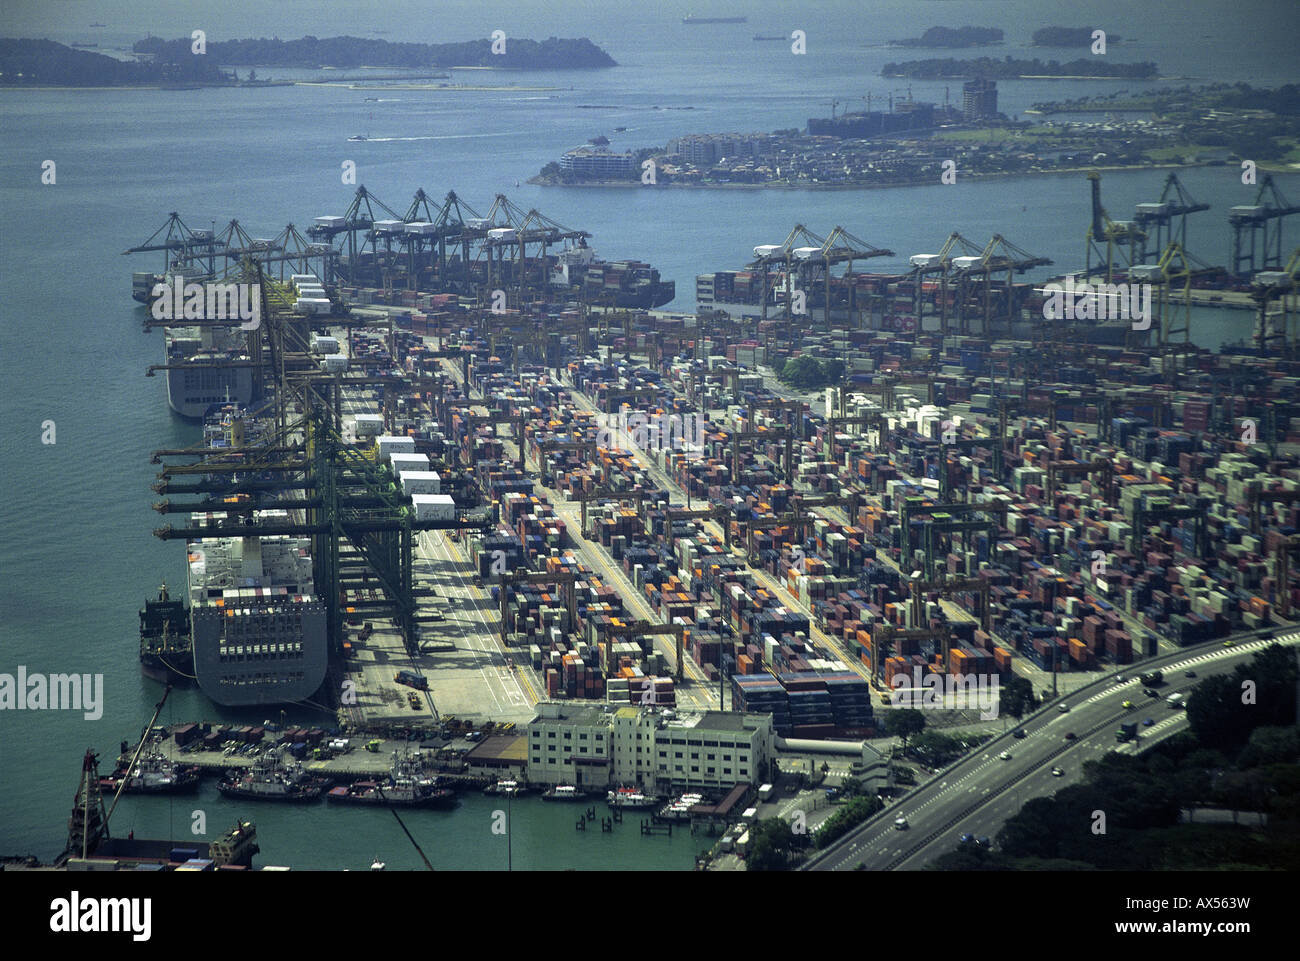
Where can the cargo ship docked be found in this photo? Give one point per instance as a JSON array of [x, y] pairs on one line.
[[200, 374], [630, 283], [274, 778], [165, 652], [257, 628], [405, 786], [152, 774]]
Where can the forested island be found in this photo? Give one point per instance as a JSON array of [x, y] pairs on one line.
[[554, 53], [1010, 68], [949, 37], [38, 63], [1069, 37]]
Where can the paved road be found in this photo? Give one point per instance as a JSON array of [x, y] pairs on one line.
[[977, 794]]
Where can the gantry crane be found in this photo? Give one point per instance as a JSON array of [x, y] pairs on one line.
[[1278, 330], [773, 433], [646, 629], [1098, 465], [565, 579], [1262, 220], [1123, 239], [1156, 220]]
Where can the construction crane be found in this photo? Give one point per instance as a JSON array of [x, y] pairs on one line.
[[1260, 221]]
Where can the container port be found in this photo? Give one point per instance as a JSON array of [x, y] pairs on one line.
[[534, 527]]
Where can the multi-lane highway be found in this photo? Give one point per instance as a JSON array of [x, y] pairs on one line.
[[980, 792]]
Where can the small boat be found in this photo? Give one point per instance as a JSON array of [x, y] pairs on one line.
[[358, 137], [377, 865], [152, 774], [405, 786], [508, 787], [274, 778], [631, 798], [564, 792], [619, 129]]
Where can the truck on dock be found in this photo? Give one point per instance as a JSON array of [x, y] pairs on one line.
[[1127, 731], [411, 679]]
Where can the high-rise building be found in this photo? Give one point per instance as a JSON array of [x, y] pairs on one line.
[[979, 99]]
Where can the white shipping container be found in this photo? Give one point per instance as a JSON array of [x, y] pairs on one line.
[[403, 461], [369, 425], [437, 507], [389, 445], [335, 362], [420, 482]]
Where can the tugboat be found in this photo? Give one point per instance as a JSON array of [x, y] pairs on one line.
[[406, 786], [274, 778], [507, 787], [166, 654], [564, 792], [153, 774], [632, 798]]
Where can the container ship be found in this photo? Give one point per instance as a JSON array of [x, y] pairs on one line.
[[199, 376], [165, 652], [631, 283], [573, 273], [258, 630]]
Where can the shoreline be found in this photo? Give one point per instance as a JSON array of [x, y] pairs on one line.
[[536, 181]]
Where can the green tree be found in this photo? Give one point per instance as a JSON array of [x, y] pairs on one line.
[[903, 723], [1015, 695], [770, 844]]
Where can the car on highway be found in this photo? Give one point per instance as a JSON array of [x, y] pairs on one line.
[[1018, 732], [966, 838], [1063, 708], [1005, 755], [1127, 705], [1150, 693], [1148, 722], [1189, 673], [1069, 735], [900, 823], [1057, 771]]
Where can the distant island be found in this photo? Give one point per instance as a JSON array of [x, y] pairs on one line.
[[1010, 69], [39, 63], [311, 52], [948, 37], [1069, 37]]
